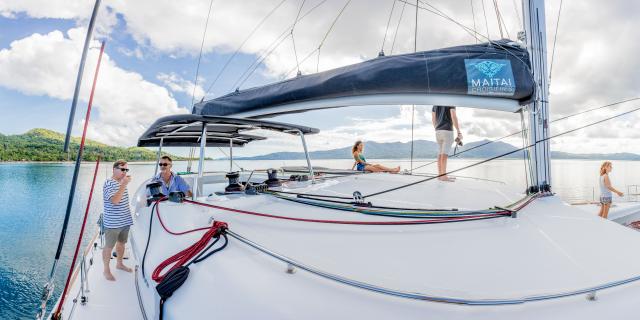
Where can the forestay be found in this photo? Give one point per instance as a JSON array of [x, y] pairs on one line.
[[494, 75]]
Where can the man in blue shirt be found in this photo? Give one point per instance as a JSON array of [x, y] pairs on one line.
[[170, 181]]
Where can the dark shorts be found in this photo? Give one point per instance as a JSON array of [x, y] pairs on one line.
[[111, 236], [605, 200], [360, 166]]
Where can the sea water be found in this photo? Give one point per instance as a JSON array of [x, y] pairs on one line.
[[33, 199]]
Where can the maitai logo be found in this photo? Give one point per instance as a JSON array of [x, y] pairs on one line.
[[489, 77]]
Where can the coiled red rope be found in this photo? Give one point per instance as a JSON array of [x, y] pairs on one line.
[[183, 257]]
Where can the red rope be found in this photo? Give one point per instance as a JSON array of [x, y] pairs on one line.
[[84, 133], [181, 258]]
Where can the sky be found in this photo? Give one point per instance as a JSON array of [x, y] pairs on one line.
[[153, 47]]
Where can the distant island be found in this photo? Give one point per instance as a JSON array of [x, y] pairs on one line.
[[46, 145], [424, 149]]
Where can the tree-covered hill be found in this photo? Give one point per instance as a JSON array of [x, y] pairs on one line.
[[46, 145]]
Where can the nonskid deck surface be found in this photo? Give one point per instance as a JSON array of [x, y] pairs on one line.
[[105, 299], [464, 193]]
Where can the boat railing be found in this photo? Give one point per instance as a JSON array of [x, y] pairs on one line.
[[591, 194]]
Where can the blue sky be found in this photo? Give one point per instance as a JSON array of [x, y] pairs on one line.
[[152, 51]]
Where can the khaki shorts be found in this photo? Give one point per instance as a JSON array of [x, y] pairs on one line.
[[444, 138], [113, 235]]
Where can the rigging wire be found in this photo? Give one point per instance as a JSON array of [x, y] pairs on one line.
[[504, 154], [329, 31], [232, 161], [506, 29], [268, 50], [384, 39], [552, 121], [527, 165], [395, 35], [486, 22], [438, 12], [413, 107], [473, 15], [495, 8], [224, 67], [204, 35], [515, 8], [555, 37], [293, 39]]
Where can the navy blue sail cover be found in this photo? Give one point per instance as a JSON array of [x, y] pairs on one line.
[[498, 69]]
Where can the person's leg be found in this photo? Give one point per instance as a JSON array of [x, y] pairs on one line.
[[605, 210], [447, 140], [387, 169], [601, 212], [110, 236], [372, 168], [123, 236]]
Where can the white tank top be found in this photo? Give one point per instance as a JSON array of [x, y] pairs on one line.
[[604, 192]]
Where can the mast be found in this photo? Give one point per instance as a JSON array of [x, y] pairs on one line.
[[538, 110]]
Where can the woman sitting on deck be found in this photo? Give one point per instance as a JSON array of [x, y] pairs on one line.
[[361, 163]]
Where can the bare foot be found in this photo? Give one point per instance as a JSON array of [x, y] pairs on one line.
[[446, 179], [109, 276], [124, 268], [396, 170]]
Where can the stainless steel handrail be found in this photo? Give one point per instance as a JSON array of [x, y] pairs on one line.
[[589, 291]]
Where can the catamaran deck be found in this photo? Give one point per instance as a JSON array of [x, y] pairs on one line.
[[503, 259]]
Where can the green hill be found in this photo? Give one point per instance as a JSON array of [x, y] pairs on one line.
[[46, 145]]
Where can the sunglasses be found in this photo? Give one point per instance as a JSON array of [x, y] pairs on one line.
[[124, 169], [163, 164]]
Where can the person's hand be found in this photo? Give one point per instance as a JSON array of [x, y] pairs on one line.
[[620, 194], [125, 181], [459, 135]]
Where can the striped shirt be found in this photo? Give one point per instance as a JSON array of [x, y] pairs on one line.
[[115, 215]]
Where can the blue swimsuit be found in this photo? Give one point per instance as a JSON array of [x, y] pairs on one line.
[[360, 166]]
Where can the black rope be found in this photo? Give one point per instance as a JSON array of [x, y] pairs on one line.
[[146, 247], [204, 34], [224, 67], [504, 154], [175, 278]]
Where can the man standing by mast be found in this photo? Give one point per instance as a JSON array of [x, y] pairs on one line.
[[444, 119], [116, 217]]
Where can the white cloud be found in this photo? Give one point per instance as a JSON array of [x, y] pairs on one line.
[[593, 63], [178, 84], [48, 64], [137, 52]]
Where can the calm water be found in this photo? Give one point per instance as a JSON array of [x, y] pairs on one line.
[[33, 199]]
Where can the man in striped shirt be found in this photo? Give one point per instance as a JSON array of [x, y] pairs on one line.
[[116, 217]]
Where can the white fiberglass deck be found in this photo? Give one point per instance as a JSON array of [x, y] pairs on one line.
[[106, 299], [549, 248]]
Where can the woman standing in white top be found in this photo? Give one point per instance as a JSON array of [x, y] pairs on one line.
[[606, 188]]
